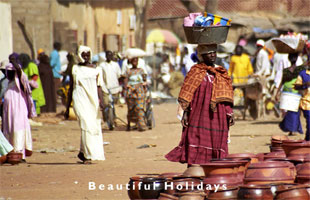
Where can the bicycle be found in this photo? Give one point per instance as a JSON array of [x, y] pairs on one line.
[[109, 113]]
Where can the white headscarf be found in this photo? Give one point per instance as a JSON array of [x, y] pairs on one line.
[[81, 50]]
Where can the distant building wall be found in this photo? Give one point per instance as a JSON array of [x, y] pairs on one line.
[[6, 40], [37, 21]]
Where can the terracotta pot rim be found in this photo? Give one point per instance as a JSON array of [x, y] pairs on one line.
[[255, 186], [241, 155], [169, 195], [267, 164], [270, 179], [186, 177], [292, 188], [153, 179], [230, 161], [293, 141], [218, 164], [296, 145], [303, 177]]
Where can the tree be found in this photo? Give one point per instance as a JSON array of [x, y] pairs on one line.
[[141, 7]]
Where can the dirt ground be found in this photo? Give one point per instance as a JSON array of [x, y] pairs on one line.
[[54, 171]]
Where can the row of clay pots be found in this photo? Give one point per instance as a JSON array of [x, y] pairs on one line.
[[253, 192]]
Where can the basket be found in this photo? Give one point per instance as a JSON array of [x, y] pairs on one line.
[[206, 35], [281, 47]]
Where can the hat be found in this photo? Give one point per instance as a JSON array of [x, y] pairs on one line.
[[260, 42], [206, 48]]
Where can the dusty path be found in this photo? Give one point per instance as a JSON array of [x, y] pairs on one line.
[[53, 171]]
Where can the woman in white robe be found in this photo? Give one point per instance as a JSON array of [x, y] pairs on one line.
[[85, 91]]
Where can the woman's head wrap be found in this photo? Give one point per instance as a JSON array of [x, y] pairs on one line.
[[81, 50], [204, 49]]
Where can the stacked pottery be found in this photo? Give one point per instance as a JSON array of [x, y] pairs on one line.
[[268, 172], [255, 192], [151, 187], [223, 174], [295, 192], [296, 149], [276, 143]]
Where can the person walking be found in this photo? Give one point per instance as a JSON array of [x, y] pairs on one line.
[[56, 66], [85, 92], [17, 108], [46, 76], [32, 71], [111, 74], [291, 122], [303, 84], [207, 99], [135, 82]]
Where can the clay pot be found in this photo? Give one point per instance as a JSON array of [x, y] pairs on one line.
[[242, 156], [308, 189], [268, 172], [276, 149], [297, 150], [241, 169], [197, 195], [194, 171], [2, 159], [14, 158], [133, 191], [221, 173], [164, 196], [179, 184], [303, 173], [275, 155], [221, 194], [255, 192], [151, 187], [169, 175], [279, 137], [296, 192], [280, 186]]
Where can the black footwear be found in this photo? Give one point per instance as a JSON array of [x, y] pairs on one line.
[[23, 161]]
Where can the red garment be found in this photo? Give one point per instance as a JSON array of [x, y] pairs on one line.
[[206, 136]]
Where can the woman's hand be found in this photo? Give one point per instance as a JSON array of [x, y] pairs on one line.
[[184, 120], [231, 120]]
